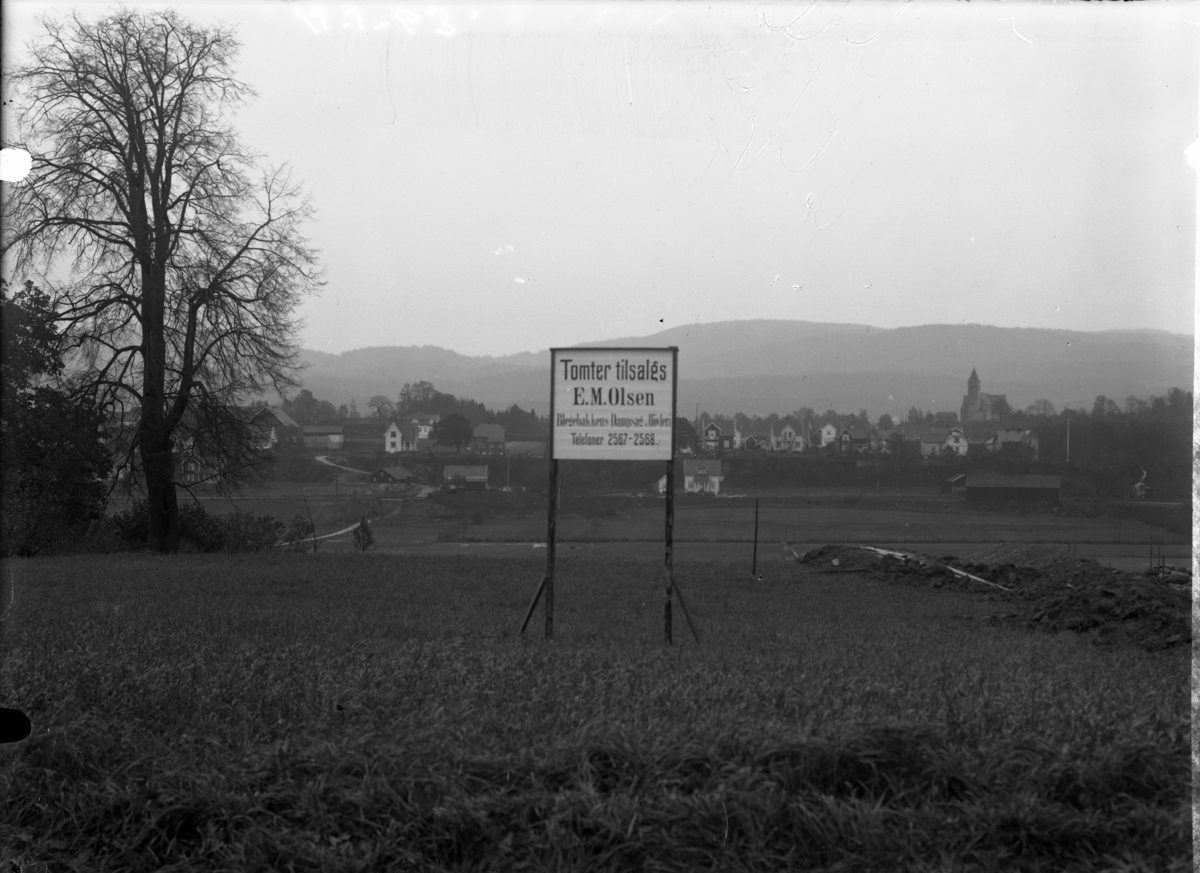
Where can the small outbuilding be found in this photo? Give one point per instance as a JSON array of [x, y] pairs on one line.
[[1028, 488], [955, 484], [323, 436], [475, 478]]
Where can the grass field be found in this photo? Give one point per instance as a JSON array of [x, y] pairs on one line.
[[377, 712]]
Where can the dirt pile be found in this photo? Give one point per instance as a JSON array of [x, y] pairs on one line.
[[1041, 587]]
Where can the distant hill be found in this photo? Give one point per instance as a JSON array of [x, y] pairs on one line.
[[758, 367]]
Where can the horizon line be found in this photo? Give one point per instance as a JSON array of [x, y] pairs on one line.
[[868, 327]]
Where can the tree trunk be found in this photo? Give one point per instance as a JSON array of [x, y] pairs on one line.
[[158, 458], [162, 505]]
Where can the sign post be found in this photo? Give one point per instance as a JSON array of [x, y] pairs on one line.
[[611, 404]]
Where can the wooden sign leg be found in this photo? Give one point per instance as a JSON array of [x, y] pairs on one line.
[[549, 581], [670, 549], [533, 605], [674, 586], [547, 584]]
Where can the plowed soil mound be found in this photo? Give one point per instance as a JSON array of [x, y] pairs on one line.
[[1041, 588]]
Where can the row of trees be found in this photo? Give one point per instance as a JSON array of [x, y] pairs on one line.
[[424, 397], [414, 397]]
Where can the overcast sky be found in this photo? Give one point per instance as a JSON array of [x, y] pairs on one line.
[[495, 179]]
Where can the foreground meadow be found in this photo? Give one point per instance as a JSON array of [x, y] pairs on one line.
[[379, 712]]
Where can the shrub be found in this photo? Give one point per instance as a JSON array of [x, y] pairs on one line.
[[132, 525], [299, 534], [245, 532], [206, 532], [363, 538], [198, 530]]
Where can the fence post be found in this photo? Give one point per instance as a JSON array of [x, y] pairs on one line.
[[550, 532], [754, 560], [670, 547]]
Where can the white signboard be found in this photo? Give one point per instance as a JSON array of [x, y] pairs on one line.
[[612, 404]]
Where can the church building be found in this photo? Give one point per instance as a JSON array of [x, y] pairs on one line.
[[980, 407]]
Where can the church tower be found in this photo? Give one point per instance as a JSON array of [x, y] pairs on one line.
[[973, 384]]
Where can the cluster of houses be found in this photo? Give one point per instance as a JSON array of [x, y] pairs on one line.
[[271, 426], [459, 477], [978, 409], [414, 433], [724, 435], [410, 433]]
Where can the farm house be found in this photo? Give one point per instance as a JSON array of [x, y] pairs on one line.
[[995, 486], [388, 477]]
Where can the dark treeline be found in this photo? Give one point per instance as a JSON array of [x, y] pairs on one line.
[[414, 397]]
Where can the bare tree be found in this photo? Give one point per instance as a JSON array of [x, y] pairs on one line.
[[415, 396], [382, 405], [186, 258], [1041, 406]]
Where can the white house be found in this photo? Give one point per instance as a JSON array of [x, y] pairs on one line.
[[1012, 439], [400, 438], [829, 434], [702, 476], [788, 439], [424, 423], [935, 442]]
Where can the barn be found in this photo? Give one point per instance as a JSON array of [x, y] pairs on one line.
[[955, 484], [323, 436], [475, 478], [995, 486]]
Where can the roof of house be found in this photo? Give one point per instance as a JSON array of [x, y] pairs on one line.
[[1011, 435], [856, 433], [724, 425], [699, 467], [408, 432], [934, 434], [493, 432], [468, 473], [282, 417], [395, 472], [1000, 480], [322, 429]]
